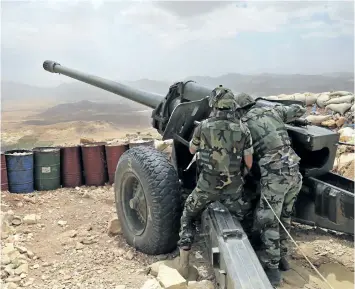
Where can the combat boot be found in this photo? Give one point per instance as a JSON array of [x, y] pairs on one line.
[[274, 276], [183, 266], [284, 265]]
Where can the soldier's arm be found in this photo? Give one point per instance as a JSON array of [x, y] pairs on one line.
[[248, 149], [291, 112], [195, 141]]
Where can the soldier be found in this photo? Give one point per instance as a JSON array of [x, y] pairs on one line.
[[222, 142], [280, 179]]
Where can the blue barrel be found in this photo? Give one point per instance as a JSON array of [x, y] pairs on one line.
[[19, 165]]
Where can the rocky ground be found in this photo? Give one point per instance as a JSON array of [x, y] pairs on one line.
[[64, 239], [69, 238]]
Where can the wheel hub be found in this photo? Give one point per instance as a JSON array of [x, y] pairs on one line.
[[135, 204], [138, 203]]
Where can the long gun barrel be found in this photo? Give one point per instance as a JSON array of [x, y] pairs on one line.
[[192, 91], [146, 98]]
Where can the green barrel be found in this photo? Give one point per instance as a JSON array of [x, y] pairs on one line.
[[47, 168]]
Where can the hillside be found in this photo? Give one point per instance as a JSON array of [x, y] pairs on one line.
[[124, 114]]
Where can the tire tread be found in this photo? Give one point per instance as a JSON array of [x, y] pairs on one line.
[[164, 187]]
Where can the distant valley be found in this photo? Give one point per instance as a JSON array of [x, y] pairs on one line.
[[76, 101], [258, 85], [117, 114]]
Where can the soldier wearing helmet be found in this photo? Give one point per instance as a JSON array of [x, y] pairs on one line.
[[280, 179], [222, 142]]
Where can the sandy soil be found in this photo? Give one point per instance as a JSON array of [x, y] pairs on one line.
[[103, 261]]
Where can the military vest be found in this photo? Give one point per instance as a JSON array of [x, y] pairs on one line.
[[221, 145], [267, 130]]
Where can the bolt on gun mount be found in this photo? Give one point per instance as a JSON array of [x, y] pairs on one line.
[[325, 203]]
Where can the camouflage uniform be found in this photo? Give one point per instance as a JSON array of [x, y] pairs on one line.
[[221, 142], [280, 180]]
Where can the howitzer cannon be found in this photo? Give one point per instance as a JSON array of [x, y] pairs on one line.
[[149, 188]]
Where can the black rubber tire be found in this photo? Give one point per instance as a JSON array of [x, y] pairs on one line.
[[161, 188]]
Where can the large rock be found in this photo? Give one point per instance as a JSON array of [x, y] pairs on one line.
[[62, 223], [14, 279], [31, 219], [7, 216], [16, 258], [170, 278], [151, 284], [154, 268], [114, 227], [204, 284], [6, 220], [9, 269], [21, 249], [23, 268], [5, 260], [8, 249], [11, 285]]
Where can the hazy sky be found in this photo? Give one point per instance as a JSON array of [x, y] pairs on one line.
[[171, 40]]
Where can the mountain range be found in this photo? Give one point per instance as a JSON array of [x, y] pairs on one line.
[[258, 85]]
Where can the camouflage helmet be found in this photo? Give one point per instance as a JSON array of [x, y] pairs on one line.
[[223, 98], [244, 100]]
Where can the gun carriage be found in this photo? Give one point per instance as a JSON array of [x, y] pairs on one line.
[[149, 188]]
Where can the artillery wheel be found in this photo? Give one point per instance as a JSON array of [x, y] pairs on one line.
[[148, 200]]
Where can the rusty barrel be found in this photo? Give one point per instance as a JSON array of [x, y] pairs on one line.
[[94, 164], [113, 154], [71, 166], [141, 142], [4, 182]]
